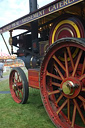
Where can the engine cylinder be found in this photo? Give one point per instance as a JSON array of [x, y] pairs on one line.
[[30, 61]]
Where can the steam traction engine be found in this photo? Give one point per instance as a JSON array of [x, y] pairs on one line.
[[53, 50]]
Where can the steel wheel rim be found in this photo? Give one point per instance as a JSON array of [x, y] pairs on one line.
[[47, 92], [16, 86]]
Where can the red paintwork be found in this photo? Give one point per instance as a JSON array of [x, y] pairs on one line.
[[33, 78]]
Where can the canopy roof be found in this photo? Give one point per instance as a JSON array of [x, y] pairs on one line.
[[49, 11]]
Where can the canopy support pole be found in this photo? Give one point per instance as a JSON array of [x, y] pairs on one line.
[[5, 43]]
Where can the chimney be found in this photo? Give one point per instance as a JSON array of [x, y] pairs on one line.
[[34, 26], [32, 5]]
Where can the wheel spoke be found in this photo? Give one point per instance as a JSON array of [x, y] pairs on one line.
[[13, 75], [80, 113], [84, 106], [17, 77], [77, 62], [81, 98], [53, 92], [57, 60], [83, 67], [83, 101], [68, 105], [66, 64], [21, 92], [62, 106], [71, 59], [18, 94], [82, 77], [56, 84], [62, 77], [61, 96], [19, 84], [53, 76], [83, 89], [74, 116]]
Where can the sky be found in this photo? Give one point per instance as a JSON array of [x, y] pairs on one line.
[[11, 10]]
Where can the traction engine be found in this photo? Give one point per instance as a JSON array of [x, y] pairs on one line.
[[53, 51]]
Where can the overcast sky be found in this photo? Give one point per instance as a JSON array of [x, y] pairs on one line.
[[11, 10]]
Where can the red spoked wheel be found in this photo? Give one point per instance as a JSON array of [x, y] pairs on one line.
[[62, 83], [18, 85]]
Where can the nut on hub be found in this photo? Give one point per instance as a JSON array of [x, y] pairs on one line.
[[69, 87]]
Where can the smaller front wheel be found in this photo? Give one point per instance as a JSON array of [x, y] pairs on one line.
[[18, 85]]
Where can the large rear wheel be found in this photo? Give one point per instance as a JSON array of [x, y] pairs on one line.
[[18, 85], [62, 83]]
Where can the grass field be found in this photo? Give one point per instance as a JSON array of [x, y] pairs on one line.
[[30, 115]]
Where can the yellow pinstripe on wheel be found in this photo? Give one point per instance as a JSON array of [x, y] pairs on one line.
[[63, 22], [76, 30]]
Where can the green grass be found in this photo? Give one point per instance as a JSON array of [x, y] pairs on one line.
[[4, 85], [30, 115], [6, 73]]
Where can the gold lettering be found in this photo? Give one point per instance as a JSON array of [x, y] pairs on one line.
[[31, 17], [70, 1], [28, 18], [50, 9], [13, 25], [65, 2], [17, 23], [40, 13], [60, 4], [54, 7], [57, 5], [35, 15], [43, 11], [9, 27], [24, 20]]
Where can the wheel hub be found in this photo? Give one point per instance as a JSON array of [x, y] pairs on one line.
[[15, 87], [71, 87], [68, 88]]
